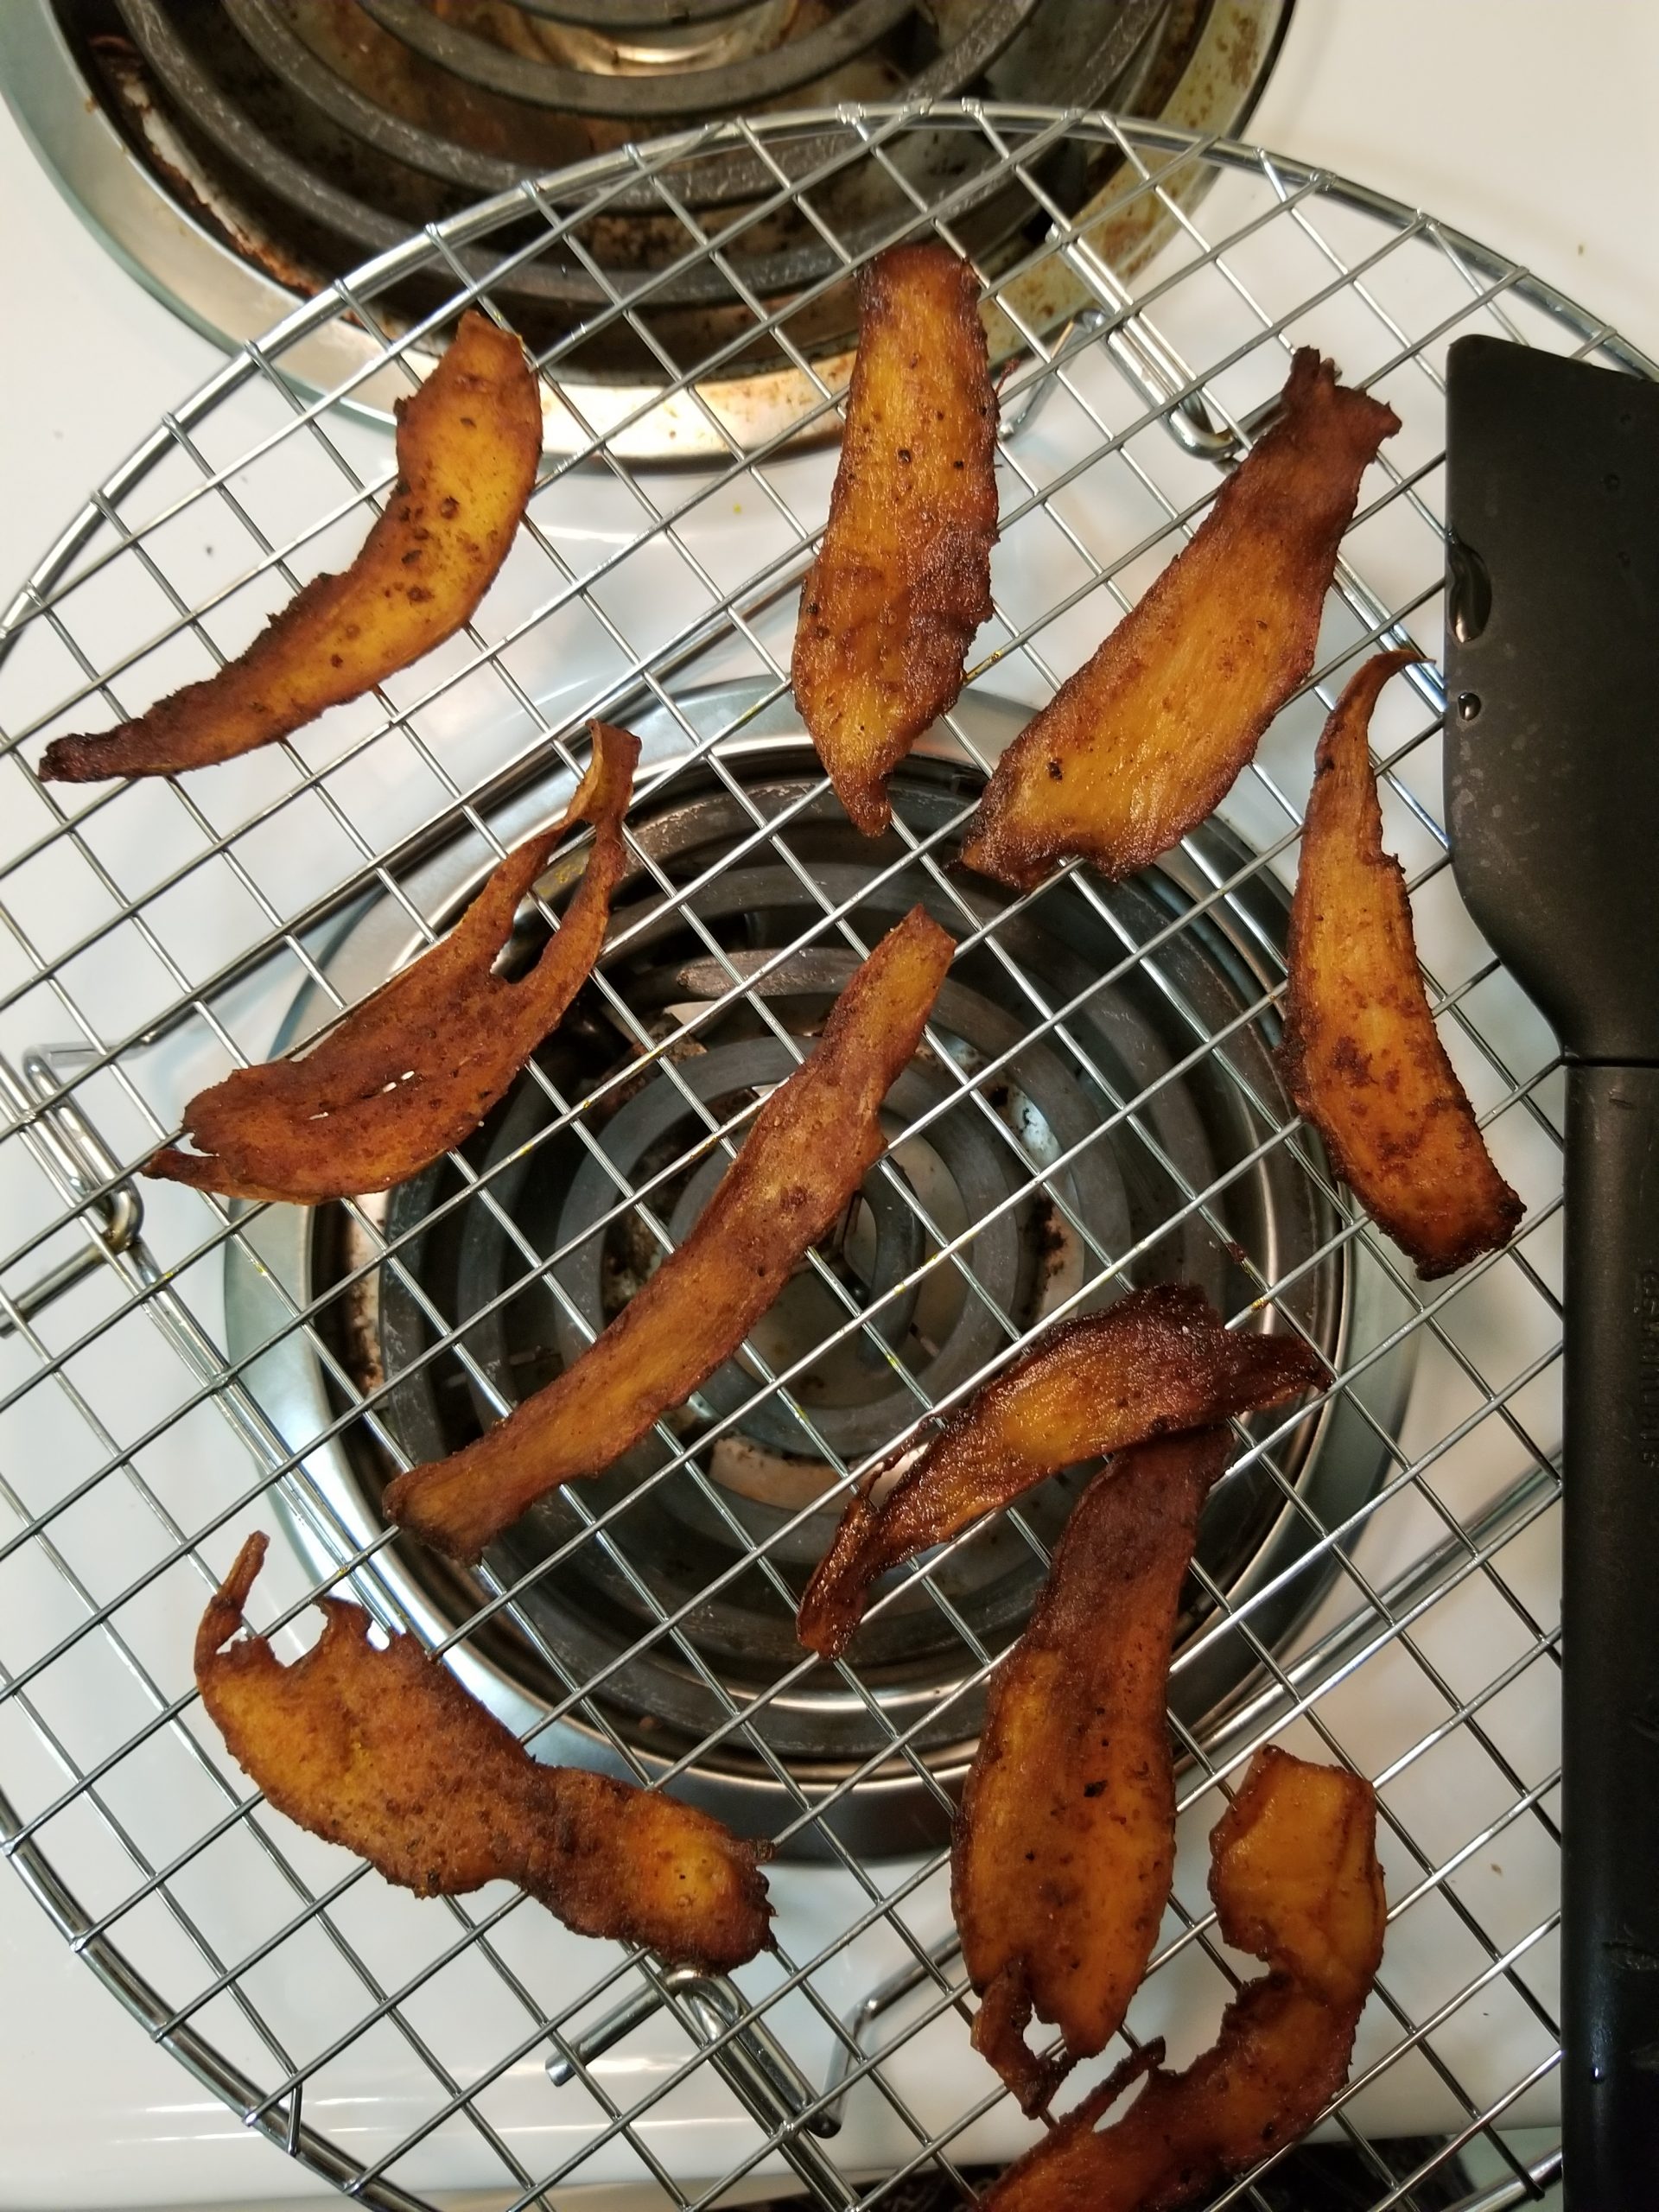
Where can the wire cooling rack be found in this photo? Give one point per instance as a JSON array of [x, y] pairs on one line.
[[174, 1372]]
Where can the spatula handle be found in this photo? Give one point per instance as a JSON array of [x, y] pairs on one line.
[[1609, 1637]]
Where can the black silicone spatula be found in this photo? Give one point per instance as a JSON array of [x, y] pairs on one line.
[[1552, 660]]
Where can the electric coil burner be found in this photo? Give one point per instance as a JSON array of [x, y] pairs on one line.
[[244, 153], [510, 1265]]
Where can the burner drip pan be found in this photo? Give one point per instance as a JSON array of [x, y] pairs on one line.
[[244, 156], [496, 1276]]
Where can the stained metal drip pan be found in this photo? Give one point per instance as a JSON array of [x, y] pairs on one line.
[[541, 1219], [239, 156]]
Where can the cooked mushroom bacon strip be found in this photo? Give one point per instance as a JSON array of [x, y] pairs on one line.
[[384, 1751], [410, 1072], [1362, 1056], [810, 1146], [903, 578], [468, 444], [1146, 738], [1295, 1881], [1157, 1362], [1061, 1866]]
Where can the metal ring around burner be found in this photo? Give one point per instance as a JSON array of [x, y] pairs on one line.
[[766, 1473]]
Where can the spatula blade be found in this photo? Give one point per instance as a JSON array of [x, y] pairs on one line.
[[1552, 745]]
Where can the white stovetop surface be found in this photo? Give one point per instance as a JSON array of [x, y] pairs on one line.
[[1525, 122]]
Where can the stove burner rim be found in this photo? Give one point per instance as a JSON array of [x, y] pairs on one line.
[[177, 255]]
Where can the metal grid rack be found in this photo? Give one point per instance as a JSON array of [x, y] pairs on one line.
[[155, 932]]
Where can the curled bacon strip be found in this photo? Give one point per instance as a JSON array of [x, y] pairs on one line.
[[384, 1751], [1146, 738], [1295, 1881], [1158, 1361], [1061, 1865], [468, 443], [415, 1069], [1362, 1056], [810, 1146]]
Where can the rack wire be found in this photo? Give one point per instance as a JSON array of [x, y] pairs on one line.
[[156, 932]]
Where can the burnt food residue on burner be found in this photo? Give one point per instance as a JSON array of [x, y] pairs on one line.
[[309, 135]]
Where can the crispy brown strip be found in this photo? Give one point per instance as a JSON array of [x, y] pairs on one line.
[[1063, 1856], [1158, 1361], [384, 1751], [468, 443], [1146, 738], [413, 1070], [810, 1146], [903, 579], [1362, 1056], [1295, 1881]]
